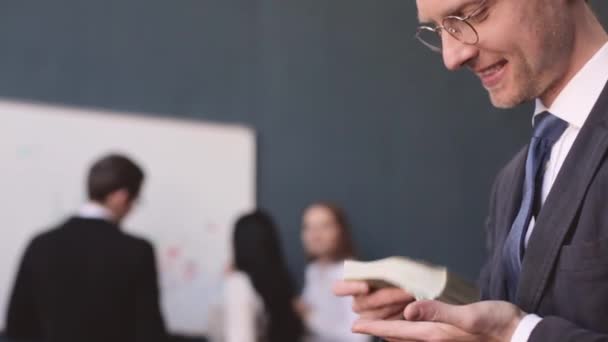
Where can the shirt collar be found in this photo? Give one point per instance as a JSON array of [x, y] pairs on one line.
[[575, 101], [93, 210]]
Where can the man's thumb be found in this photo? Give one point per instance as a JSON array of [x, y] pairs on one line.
[[435, 311]]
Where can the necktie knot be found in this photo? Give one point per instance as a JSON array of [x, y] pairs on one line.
[[548, 127]]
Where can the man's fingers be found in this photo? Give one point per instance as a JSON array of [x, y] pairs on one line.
[[389, 312], [350, 288], [382, 298], [393, 330], [434, 311], [410, 331]]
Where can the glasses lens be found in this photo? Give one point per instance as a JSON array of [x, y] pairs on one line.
[[460, 30], [430, 38]]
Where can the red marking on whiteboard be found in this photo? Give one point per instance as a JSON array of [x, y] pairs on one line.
[[173, 252], [212, 227], [190, 270]]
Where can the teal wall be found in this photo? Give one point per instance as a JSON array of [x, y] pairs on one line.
[[348, 106]]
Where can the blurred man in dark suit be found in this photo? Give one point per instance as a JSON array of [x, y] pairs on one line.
[[86, 280]]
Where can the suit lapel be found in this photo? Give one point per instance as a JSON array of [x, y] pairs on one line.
[[504, 204], [565, 198], [513, 203], [507, 211]]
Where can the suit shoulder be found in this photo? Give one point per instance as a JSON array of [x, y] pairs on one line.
[[137, 242], [40, 243], [45, 236], [512, 165]]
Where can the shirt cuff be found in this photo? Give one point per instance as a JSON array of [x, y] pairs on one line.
[[524, 328]]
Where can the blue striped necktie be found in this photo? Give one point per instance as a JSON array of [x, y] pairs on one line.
[[547, 130]]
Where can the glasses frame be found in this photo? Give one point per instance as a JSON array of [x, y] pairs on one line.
[[438, 28]]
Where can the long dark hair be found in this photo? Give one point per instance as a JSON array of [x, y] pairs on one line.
[[257, 252]]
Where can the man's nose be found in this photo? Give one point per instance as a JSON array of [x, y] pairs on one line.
[[456, 53]]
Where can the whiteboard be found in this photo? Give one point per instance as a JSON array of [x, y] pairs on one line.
[[199, 178]]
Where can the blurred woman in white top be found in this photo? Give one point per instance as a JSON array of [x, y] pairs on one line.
[[327, 242], [259, 293]]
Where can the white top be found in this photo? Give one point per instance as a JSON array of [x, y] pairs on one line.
[[573, 105], [244, 318], [330, 317]]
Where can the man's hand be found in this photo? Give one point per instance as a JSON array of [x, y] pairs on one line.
[[489, 321], [384, 303]]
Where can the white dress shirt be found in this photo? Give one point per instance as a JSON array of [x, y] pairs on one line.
[[573, 105], [330, 317]]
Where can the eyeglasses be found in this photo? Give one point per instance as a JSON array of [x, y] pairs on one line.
[[458, 27]]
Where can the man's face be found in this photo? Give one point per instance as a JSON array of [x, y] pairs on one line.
[[523, 49]]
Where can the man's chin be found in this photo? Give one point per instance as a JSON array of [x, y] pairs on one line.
[[503, 100]]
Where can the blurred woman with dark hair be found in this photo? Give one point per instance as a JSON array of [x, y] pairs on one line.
[[327, 243], [259, 293]]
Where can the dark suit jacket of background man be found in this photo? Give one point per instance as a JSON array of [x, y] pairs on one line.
[[86, 281], [565, 267]]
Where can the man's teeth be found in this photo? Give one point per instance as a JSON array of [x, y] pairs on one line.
[[491, 70]]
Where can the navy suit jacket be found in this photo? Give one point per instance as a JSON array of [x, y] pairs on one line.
[[565, 267]]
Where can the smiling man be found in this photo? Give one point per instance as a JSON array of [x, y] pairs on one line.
[[546, 278]]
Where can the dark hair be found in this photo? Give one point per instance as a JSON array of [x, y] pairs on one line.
[[114, 172], [345, 248], [257, 252]]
